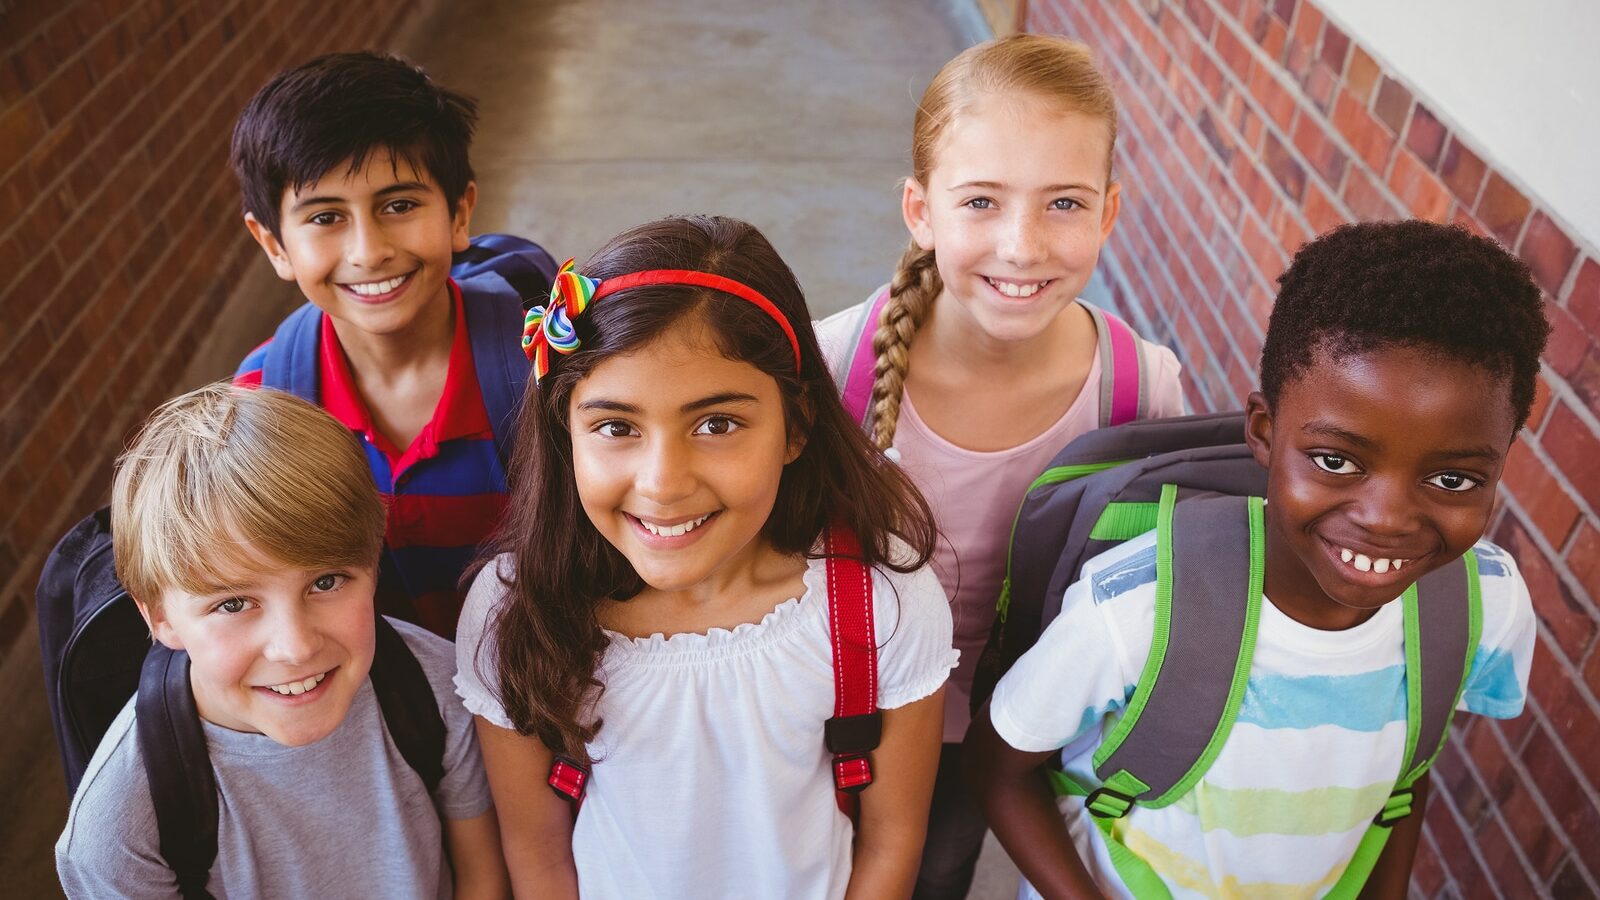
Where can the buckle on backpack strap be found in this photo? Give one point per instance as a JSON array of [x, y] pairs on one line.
[[852, 772], [1397, 807], [853, 734], [1105, 803], [569, 778]]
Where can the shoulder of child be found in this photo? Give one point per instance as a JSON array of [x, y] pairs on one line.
[[464, 791], [911, 619], [1166, 388], [476, 684], [109, 846], [1497, 686]]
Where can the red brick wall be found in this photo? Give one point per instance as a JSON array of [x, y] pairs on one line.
[[1249, 126], [119, 228]]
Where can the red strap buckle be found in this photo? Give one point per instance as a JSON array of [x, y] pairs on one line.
[[569, 778], [852, 772]]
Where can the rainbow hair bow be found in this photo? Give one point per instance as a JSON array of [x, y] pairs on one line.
[[549, 327]]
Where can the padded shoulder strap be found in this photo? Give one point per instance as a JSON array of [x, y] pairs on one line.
[[857, 725], [1209, 570], [1444, 618], [291, 363], [855, 385], [410, 711], [494, 323], [1124, 376], [183, 787]]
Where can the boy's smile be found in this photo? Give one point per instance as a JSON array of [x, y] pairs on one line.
[[1382, 466], [371, 248], [282, 653]]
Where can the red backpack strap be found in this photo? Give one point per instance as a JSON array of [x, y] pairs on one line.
[[855, 387], [570, 779], [856, 727], [1123, 371]]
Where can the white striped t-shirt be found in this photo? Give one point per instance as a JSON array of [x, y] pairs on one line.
[[1314, 753]]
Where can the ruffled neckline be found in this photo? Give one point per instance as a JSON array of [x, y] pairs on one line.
[[742, 638]]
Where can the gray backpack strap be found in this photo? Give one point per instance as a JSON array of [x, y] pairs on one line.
[[1446, 640], [1210, 551]]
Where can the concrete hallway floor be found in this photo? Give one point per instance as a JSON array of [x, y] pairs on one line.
[[599, 115]]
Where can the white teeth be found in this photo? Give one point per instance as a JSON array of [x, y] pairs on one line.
[[295, 688], [1365, 563], [678, 530], [1016, 290], [374, 288]]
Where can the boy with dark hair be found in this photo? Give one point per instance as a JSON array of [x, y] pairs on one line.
[[357, 185], [247, 531], [1399, 365]]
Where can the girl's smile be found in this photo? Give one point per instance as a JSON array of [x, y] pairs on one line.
[[678, 452]]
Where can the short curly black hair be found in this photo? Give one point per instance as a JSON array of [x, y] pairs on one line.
[[338, 109], [1371, 285]]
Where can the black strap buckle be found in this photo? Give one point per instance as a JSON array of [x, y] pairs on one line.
[[1105, 803], [853, 734]]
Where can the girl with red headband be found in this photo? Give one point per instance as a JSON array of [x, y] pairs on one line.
[[708, 659]]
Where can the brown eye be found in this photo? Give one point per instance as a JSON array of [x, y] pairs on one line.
[[717, 425], [232, 605]]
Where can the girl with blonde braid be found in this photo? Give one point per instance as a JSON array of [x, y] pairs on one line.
[[977, 362]]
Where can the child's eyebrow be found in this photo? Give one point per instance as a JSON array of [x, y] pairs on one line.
[[1328, 429], [718, 400], [396, 188], [1047, 189], [1484, 452]]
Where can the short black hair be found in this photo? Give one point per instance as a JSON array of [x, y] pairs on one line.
[[1440, 288], [342, 107]]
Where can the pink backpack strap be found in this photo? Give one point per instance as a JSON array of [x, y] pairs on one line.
[[857, 725], [1124, 374], [855, 387]]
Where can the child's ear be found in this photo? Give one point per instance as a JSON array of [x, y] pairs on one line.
[[1108, 212], [461, 222], [269, 243], [914, 208], [160, 628], [1258, 427]]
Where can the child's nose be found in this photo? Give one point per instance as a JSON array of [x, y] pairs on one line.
[[369, 246], [666, 474], [1387, 507], [1022, 242], [294, 639]]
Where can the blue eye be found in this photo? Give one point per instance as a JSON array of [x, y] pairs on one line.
[[328, 582], [1065, 204], [1334, 463], [980, 203], [1454, 482]]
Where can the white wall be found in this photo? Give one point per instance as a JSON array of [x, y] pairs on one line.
[[1519, 78]]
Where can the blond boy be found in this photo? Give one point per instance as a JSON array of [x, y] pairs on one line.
[[247, 530]]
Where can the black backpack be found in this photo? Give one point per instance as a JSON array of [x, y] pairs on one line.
[[97, 653]]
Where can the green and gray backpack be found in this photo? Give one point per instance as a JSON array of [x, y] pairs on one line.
[[1194, 482]]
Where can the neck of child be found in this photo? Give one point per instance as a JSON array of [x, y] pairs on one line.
[[954, 336], [422, 346], [743, 590]]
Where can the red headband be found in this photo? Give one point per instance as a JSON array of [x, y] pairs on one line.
[[550, 327]]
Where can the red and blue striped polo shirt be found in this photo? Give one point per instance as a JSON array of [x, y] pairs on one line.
[[445, 492]]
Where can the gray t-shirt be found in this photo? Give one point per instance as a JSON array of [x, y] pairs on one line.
[[344, 817]]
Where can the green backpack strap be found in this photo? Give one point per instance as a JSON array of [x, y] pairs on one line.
[[1194, 679], [1441, 639]]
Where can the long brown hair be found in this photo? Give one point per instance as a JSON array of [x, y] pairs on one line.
[[1035, 65], [548, 635]]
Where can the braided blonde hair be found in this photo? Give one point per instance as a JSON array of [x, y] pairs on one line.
[[1039, 65]]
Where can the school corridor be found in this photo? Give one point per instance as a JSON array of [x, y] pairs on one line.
[[594, 116]]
